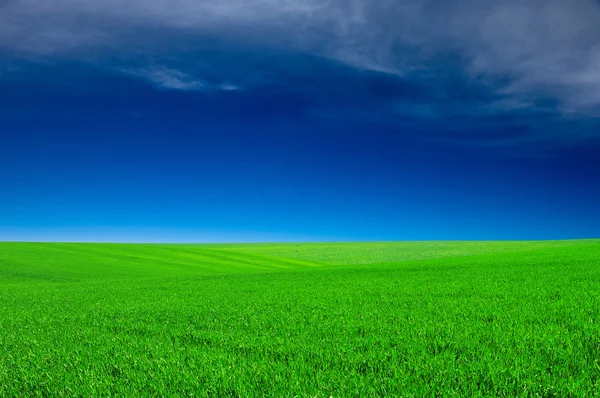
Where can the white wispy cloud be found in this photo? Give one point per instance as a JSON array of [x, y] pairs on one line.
[[170, 79], [229, 87], [174, 79]]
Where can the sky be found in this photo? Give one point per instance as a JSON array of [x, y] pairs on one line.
[[287, 120]]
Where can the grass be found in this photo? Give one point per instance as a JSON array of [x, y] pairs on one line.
[[353, 319]]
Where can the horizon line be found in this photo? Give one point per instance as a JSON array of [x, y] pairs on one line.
[[299, 242]]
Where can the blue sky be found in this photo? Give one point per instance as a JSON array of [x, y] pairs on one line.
[[264, 120]]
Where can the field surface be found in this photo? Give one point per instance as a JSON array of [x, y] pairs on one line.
[[409, 319]]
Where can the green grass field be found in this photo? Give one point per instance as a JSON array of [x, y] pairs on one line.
[[345, 319]]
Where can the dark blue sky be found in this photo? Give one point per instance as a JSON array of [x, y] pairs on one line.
[[277, 121]]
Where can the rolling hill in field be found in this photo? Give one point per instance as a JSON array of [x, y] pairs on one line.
[[308, 319]]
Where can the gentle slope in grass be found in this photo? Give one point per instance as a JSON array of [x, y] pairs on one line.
[[325, 319]]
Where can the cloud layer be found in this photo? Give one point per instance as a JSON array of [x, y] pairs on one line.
[[540, 55]]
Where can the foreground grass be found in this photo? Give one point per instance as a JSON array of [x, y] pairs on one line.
[[365, 319]]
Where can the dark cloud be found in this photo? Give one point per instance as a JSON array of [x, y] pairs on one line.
[[427, 59]]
